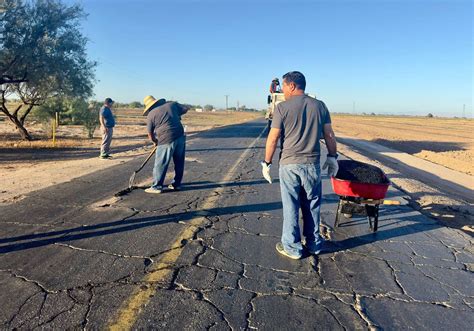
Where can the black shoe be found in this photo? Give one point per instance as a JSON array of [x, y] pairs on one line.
[[173, 187], [327, 246]]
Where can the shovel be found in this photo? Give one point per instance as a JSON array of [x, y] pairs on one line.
[[132, 178]]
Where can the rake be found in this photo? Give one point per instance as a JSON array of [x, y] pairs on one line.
[[132, 178]]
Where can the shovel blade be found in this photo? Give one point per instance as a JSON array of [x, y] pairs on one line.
[[132, 179]]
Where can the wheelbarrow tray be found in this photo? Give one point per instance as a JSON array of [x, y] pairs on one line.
[[359, 190]]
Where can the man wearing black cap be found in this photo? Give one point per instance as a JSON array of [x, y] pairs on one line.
[[275, 86], [107, 123]]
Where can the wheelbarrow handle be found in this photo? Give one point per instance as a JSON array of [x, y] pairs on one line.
[[391, 202]]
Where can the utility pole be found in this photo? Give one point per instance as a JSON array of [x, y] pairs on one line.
[[237, 105], [226, 101], [464, 110]]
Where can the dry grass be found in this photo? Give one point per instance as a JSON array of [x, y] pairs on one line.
[[446, 141], [193, 118]]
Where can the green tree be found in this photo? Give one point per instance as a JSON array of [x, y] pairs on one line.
[[135, 104], [208, 107], [46, 113], [42, 56]]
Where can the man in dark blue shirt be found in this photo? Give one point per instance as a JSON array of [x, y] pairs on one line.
[[107, 124], [167, 133]]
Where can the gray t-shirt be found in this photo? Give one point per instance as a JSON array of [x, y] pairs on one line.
[[109, 119], [301, 120], [165, 122]]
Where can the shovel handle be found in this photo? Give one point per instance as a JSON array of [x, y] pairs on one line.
[[146, 160]]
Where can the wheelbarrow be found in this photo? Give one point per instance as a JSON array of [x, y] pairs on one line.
[[360, 197]]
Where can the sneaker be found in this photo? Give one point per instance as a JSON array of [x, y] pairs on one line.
[[174, 188], [153, 190], [281, 250], [105, 156]]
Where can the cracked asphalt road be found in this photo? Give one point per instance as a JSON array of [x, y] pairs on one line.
[[71, 256]]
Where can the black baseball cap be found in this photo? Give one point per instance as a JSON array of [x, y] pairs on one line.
[[109, 100]]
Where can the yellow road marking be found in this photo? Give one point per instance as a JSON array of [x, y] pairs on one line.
[[132, 307]]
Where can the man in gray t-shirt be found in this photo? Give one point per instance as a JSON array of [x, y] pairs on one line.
[[300, 122], [167, 133]]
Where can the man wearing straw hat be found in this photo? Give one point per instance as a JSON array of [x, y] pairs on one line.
[[167, 133]]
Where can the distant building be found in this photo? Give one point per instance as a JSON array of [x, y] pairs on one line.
[[199, 110]]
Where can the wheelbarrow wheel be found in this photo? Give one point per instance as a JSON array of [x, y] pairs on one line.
[[373, 223], [338, 214], [373, 216]]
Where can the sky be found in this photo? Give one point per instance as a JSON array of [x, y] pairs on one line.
[[388, 57]]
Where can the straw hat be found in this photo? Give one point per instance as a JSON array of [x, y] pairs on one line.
[[149, 101]]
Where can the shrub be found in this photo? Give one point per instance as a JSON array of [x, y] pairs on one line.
[[208, 107], [46, 113], [86, 115], [135, 104], [82, 113]]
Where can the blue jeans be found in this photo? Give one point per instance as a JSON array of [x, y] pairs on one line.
[[164, 153], [300, 188]]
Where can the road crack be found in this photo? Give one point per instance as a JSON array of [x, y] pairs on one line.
[[147, 259]]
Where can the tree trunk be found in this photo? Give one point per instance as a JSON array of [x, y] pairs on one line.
[[21, 129]]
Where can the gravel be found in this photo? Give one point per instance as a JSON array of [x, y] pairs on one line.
[[360, 172]]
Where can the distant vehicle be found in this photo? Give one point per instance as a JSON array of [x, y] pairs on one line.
[[272, 100]]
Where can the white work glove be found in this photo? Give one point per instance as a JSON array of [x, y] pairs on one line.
[[332, 165], [266, 171]]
